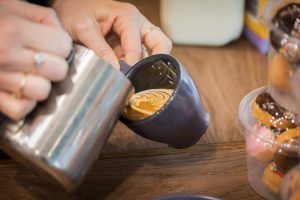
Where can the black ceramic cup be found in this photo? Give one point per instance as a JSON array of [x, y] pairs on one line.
[[183, 119]]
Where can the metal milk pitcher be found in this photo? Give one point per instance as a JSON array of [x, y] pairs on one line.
[[64, 135]]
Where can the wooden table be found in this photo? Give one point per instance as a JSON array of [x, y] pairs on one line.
[[217, 170], [131, 167]]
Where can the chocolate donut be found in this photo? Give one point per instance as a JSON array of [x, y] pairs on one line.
[[286, 19], [275, 125], [269, 113], [285, 39]]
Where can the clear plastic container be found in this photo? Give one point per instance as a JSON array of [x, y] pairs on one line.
[[282, 18], [290, 189], [268, 159]]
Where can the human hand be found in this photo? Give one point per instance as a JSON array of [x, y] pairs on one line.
[[33, 48], [91, 21]]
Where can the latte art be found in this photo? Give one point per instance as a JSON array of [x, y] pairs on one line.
[[145, 103]]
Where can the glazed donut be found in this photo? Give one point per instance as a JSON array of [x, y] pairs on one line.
[[271, 114], [285, 18], [272, 177], [278, 73], [283, 162], [288, 135], [284, 39]]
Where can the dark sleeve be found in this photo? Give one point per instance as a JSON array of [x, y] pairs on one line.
[[39, 2]]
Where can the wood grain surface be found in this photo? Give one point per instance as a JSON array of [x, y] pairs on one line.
[[131, 167], [216, 170], [223, 75]]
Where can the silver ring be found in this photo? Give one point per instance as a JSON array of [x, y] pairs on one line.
[[38, 60], [152, 28]]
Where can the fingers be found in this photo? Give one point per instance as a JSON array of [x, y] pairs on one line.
[[15, 108], [32, 12], [31, 86], [131, 43], [87, 31], [114, 42], [52, 67], [134, 30], [44, 38], [129, 32], [127, 26], [33, 48], [154, 39]]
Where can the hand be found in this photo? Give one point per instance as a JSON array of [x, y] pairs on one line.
[[33, 48], [92, 21]]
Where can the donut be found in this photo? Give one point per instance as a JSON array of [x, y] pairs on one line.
[[286, 17], [284, 39], [288, 135], [278, 72], [283, 161], [274, 125], [269, 113], [286, 20], [272, 177]]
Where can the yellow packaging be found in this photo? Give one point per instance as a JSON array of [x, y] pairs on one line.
[[255, 30]]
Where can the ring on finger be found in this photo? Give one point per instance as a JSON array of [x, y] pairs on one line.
[[19, 93], [149, 30], [38, 60]]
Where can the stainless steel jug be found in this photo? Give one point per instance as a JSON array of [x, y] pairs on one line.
[[63, 136]]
